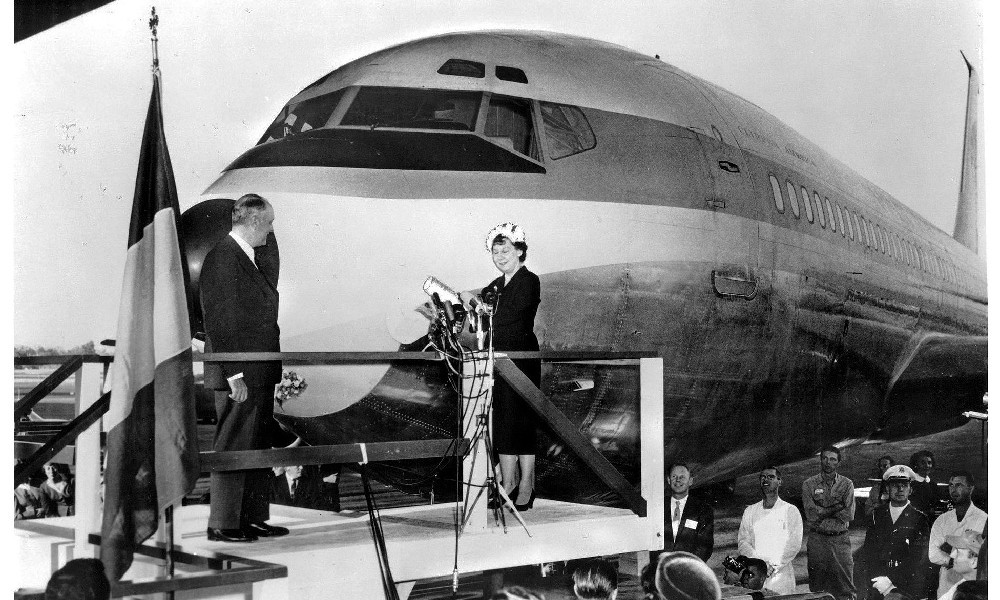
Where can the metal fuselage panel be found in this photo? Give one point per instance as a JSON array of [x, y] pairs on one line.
[[777, 334]]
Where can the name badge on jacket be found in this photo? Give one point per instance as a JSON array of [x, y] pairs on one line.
[[690, 524]]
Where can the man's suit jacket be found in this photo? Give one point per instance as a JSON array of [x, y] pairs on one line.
[[896, 550], [311, 491], [239, 302], [699, 538]]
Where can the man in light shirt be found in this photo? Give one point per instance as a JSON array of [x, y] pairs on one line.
[[956, 565], [828, 500], [771, 530], [689, 521]]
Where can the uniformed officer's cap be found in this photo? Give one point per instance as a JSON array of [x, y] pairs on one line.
[[899, 473]]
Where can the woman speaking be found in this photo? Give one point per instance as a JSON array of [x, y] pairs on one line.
[[517, 294]]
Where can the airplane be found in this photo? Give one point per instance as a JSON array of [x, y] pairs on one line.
[[793, 302]]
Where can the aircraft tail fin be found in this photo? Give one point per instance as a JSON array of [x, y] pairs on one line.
[[967, 217]]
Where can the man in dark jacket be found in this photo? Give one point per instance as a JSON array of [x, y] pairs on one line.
[[895, 549], [240, 306], [689, 523]]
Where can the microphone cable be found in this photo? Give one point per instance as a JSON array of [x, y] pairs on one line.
[[375, 525]]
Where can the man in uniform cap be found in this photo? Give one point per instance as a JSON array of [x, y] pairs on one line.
[[895, 548]]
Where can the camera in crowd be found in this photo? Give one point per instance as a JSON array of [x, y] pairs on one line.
[[745, 572]]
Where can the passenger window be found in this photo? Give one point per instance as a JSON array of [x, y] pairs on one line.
[[792, 198], [819, 210], [567, 130], [879, 239], [885, 241], [846, 222], [509, 124], [303, 116], [864, 229], [858, 228], [807, 204], [779, 203], [830, 213]]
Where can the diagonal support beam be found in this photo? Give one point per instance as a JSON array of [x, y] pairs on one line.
[[570, 434], [23, 406], [65, 437]]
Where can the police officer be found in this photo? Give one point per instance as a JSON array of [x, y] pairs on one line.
[[895, 548]]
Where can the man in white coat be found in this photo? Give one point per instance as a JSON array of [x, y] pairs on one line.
[[957, 564], [771, 530]]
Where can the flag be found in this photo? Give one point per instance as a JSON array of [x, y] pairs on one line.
[[152, 443]]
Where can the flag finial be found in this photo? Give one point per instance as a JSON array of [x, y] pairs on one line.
[[154, 20]]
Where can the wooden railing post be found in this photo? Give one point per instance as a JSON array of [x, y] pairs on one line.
[[651, 446], [88, 464]]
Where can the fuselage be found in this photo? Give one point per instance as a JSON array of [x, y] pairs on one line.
[[789, 298]]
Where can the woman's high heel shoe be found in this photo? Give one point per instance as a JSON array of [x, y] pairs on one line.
[[527, 505]]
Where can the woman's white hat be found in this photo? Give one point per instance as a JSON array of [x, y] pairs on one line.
[[511, 231]]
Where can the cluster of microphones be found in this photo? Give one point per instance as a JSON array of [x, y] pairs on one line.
[[452, 309]]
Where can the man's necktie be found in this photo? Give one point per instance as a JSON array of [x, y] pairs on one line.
[[295, 485]]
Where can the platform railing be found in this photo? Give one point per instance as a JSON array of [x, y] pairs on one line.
[[348, 453]]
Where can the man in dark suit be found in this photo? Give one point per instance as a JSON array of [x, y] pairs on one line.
[[305, 487], [240, 306], [894, 554], [689, 523]]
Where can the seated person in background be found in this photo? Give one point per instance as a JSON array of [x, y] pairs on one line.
[[745, 572], [29, 500], [515, 593], [684, 576], [30, 503], [79, 579], [595, 580], [59, 487], [303, 486]]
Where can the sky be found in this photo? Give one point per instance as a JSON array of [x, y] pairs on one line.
[[878, 84]]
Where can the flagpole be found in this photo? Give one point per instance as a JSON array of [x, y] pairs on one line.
[[168, 513]]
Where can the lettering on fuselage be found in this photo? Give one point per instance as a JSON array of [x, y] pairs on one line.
[[793, 152], [763, 139]]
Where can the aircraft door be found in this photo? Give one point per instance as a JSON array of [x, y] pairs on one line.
[[730, 194]]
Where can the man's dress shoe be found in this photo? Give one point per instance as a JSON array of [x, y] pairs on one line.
[[264, 530], [230, 535]]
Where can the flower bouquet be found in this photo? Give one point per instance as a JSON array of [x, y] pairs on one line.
[[290, 386]]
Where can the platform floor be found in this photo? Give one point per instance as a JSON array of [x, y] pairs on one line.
[[328, 550]]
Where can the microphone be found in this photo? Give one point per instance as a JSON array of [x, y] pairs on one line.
[[449, 312], [432, 285]]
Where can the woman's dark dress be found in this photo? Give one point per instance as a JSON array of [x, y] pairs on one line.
[[514, 422]]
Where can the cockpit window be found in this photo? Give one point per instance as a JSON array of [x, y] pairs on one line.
[[509, 124], [511, 74], [413, 109], [308, 114], [566, 129], [463, 68]]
